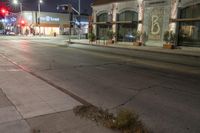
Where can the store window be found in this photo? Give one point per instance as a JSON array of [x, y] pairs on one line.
[[102, 17], [128, 16], [127, 26], [189, 31], [102, 26]]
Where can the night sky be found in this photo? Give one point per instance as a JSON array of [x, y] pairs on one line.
[[50, 5]]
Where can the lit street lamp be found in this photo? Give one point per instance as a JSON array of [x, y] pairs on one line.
[[16, 2]]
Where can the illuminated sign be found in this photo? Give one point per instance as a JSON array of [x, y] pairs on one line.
[[49, 19]]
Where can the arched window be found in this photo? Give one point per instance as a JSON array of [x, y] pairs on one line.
[[102, 17], [127, 22], [128, 16], [102, 26]]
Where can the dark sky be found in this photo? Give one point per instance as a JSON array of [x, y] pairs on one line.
[[50, 5]]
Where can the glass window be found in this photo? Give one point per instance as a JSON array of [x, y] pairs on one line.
[[128, 16], [102, 31], [125, 31], [191, 11], [189, 32], [102, 17]]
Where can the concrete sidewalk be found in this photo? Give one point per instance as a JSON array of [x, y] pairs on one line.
[[186, 51], [30, 104]]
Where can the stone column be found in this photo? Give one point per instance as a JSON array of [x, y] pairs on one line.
[[174, 13], [141, 18], [114, 18]]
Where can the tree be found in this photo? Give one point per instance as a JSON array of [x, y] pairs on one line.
[[1, 26]]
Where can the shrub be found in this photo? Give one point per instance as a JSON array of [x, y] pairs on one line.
[[110, 34], [125, 120], [91, 36], [169, 36], [1, 26]]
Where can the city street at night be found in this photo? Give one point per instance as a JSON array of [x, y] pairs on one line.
[[163, 89]]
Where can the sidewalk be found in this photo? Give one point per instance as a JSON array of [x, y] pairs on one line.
[[30, 104], [186, 51]]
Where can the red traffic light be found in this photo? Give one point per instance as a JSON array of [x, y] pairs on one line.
[[4, 11]]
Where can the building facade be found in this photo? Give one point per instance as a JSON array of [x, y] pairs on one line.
[[152, 18], [28, 22]]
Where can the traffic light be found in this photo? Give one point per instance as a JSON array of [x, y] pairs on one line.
[[4, 11]]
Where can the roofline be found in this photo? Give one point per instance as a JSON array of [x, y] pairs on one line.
[[92, 4]]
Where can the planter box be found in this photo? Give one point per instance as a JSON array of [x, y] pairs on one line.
[[91, 41], [110, 42], [168, 46], [137, 43]]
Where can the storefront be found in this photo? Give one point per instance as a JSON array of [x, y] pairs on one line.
[[121, 18], [189, 27], [30, 23], [151, 18], [103, 25], [127, 22]]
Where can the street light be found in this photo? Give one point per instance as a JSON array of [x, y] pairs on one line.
[[16, 2], [39, 9], [79, 10]]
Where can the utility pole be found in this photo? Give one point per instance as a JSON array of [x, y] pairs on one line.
[[79, 10], [20, 6], [16, 2], [70, 20], [39, 11]]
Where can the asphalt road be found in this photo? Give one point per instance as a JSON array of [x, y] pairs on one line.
[[165, 95]]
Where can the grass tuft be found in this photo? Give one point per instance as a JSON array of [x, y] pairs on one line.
[[125, 120]]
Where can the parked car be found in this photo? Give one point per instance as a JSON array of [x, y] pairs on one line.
[[11, 33], [1, 32], [129, 38]]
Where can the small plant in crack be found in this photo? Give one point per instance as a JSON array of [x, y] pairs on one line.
[[125, 121], [36, 131]]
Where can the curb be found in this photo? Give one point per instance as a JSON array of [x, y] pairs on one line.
[[133, 49]]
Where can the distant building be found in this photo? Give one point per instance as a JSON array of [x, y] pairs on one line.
[[150, 17], [28, 21], [48, 24]]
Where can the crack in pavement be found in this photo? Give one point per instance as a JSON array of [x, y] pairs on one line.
[[132, 97], [51, 67], [99, 65]]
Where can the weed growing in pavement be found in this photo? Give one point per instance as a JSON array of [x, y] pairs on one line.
[[36, 131], [125, 120]]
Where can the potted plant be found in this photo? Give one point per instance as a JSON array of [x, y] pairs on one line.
[[110, 35], [137, 35], [169, 38], [91, 37]]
